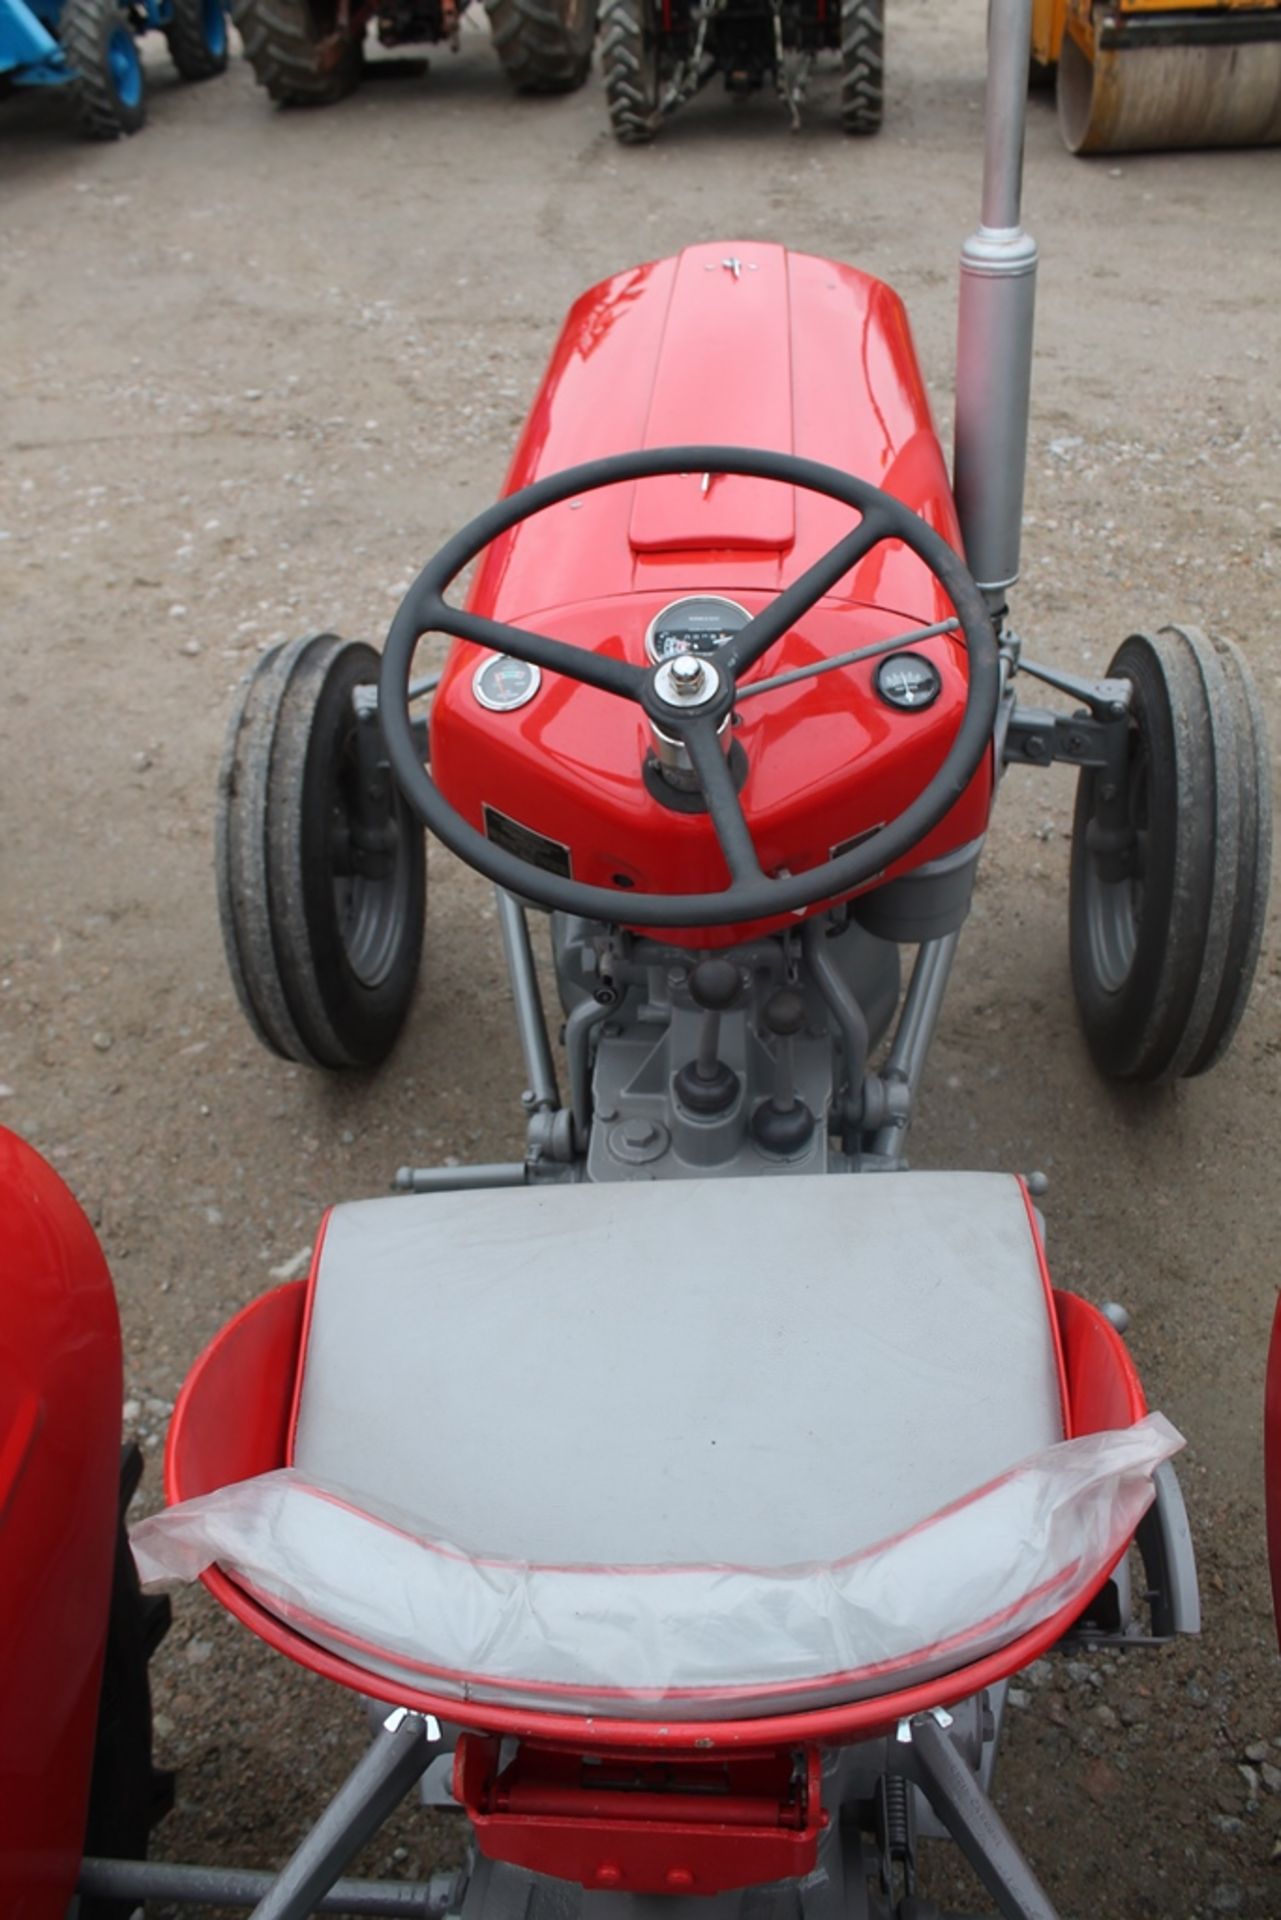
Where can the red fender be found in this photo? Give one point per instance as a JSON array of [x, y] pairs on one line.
[[60, 1395]]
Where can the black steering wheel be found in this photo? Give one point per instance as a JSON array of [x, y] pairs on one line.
[[695, 723]]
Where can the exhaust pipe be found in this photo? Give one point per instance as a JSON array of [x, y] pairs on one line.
[[994, 324]]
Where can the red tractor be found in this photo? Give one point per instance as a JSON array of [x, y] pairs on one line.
[[657, 54], [687, 1492], [311, 52]]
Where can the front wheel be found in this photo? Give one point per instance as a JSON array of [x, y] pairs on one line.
[[197, 37], [321, 873], [1166, 913], [109, 90], [545, 46]]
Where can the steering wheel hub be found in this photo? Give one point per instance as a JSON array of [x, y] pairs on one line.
[[687, 681]]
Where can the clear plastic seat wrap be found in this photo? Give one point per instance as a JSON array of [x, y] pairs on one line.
[[705, 1450]]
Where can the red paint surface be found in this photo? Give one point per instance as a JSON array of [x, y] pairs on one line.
[[1106, 1391], [60, 1394], [233, 1418], [796, 354], [635, 1824]]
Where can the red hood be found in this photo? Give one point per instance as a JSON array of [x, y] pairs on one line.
[[743, 344]]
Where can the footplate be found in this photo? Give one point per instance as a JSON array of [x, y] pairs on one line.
[[630, 1823]]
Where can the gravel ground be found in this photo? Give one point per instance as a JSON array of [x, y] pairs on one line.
[[254, 367]]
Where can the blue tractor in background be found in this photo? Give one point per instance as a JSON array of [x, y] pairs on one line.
[[91, 46]]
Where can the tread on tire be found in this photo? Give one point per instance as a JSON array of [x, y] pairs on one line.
[[314, 989], [283, 43], [84, 32], [1162, 966], [189, 41], [862, 66], [545, 46], [630, 65]]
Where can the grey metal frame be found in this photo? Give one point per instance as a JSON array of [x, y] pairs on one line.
[[941, 1754], [143, 1880]]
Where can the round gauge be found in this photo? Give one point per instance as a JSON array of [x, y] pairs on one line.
[[699, 624], [501, 683], [908, 681]]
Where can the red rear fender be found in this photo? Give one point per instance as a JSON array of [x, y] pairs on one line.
[[60, 1394]]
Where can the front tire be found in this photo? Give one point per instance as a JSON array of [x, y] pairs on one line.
[[545, 46], [291, 46], [109, 91], [1163, 946], [629, 58], [197, 37], [321, 874], [862, 66]]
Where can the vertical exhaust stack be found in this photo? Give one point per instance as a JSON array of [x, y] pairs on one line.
[[994, 323]]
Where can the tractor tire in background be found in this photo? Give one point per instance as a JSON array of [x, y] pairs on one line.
[[109, 92], [1163, 952], [197, 36], [295, 52], [862, 66], [545, 46], [322, 910], [629, 58]]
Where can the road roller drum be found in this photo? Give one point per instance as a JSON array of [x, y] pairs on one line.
[[1147, 75]]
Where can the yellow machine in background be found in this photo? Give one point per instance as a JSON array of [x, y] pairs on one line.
[[1135, 74]]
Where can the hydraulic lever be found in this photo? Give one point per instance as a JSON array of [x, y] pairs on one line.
[[706, 1085]]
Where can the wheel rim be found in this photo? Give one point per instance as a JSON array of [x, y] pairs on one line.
[[1114, 908], [371, 907], [214, 25], [125, 66]]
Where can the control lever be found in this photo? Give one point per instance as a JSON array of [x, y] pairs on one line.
[[705, 1084], [783, 1123]]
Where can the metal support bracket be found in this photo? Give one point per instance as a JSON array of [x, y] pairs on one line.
[[1037, 736], [929, 1756], [1105, 699], [397, 1759], [1095, 736]]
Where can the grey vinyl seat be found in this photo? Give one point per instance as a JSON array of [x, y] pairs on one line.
[[609, 1381]]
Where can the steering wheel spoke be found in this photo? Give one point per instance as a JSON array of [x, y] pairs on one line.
[[756, 638], [539, 649], [702, 743]]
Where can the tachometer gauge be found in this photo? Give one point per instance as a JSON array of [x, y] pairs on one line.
[[502, 683], [908, 681], [699, 624]]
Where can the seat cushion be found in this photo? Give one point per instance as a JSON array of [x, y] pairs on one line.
[[680, 1450], [753, 1372]]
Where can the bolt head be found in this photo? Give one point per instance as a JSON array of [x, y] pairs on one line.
[[687, 681]]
